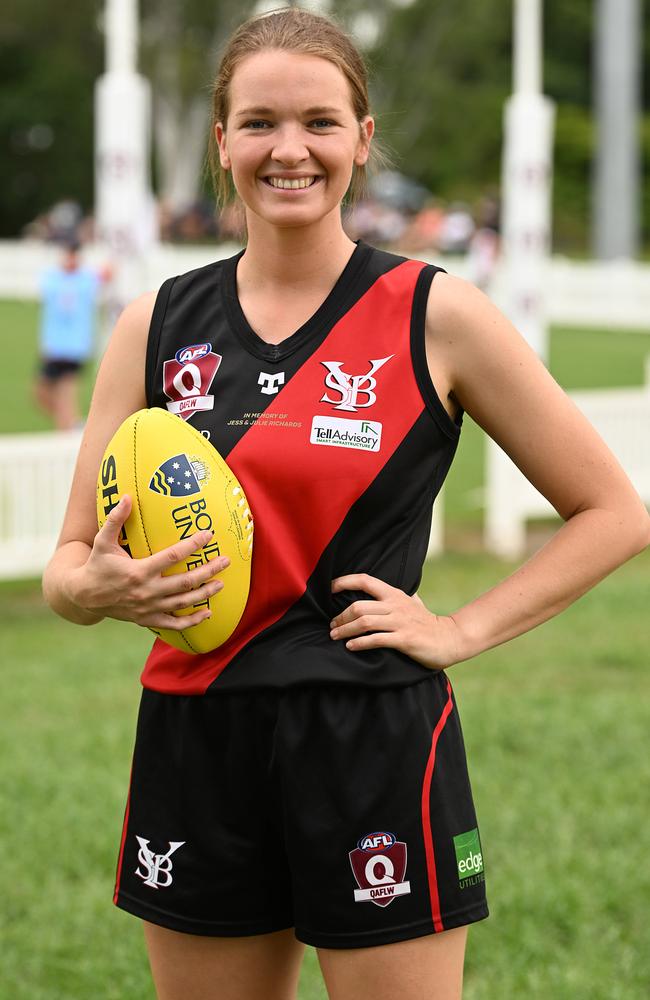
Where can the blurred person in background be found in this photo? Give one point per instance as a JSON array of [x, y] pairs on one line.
[[484, 246], [69, 294], [424, 229], [456, 229]]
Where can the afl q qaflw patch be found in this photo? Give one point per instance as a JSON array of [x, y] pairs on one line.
[[379, 866]]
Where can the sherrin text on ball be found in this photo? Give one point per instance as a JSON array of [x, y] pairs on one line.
[[180, 484]]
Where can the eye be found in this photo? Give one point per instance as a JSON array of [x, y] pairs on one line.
[[322, 123], [256, 124]]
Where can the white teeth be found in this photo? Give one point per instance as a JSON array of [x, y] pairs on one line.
[[291, 183]]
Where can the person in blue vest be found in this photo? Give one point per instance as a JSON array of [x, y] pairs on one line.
[[69, 295]]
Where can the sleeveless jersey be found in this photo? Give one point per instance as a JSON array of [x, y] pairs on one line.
[[341, 444]]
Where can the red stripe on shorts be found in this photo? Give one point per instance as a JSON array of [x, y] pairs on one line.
[[118, 874], [426, 815]]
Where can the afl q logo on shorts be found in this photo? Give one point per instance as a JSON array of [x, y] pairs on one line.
[[187, 378], [379, 866]]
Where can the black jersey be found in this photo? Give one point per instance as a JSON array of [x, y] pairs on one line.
[[341, 444]]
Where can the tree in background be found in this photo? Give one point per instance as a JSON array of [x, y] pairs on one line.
[[441, 72], [49, 60], [181, 44]]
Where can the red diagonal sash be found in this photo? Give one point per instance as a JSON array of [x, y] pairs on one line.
[[300, 492]]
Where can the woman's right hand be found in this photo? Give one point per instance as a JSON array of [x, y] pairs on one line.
[[112, 584]]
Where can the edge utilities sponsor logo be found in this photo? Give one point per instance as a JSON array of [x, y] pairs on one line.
[[363, 435], [469, 858]]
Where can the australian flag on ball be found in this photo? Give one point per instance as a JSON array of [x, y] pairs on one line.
[[175, 478]]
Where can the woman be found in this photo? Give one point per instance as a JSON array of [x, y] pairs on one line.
[[307, 783]]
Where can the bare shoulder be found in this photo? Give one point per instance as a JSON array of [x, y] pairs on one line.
[[499, 380], [441, 318], [135, 319], [481, 352], [457, 309], [127, 348]]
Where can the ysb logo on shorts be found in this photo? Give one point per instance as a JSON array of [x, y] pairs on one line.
[[356, 391], [379, 866], [157, 871], [187, 378]]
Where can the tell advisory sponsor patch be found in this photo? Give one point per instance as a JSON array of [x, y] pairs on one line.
[[338, 432]]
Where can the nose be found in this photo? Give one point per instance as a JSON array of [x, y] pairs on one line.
[[289, 148]]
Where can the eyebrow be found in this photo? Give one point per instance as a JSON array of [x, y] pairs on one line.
[[247, 112]]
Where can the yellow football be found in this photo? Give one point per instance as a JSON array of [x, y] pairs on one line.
[[180, 484]]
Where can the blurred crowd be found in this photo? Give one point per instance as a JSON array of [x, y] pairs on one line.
[[398, 214]]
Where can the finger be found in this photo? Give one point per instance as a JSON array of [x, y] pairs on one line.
[[366, 623], [179, 583], [177, 624], [374, 641], [179, 602], [179, 551], [364, 582], [112, 526], [358, 608]]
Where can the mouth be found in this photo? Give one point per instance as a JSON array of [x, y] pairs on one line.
[[292, 185]]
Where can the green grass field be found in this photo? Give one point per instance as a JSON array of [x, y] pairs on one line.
[[555, 722], [556, 727]]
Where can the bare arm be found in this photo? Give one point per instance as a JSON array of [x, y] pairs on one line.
[[503, 385], [90, 576], [498, 379]]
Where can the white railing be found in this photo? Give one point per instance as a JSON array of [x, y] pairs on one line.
[[621, 417], [612, 294], [36, 472], [35, 475]]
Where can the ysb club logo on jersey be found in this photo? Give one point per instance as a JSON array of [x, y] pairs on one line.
[[355, 391], [379, 866], [187, 378], [179, 476], [156, 868]]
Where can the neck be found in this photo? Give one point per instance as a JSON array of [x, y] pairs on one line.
[[294, 258]]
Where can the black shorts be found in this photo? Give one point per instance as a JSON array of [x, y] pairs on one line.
[[53, 369], [344, 812]]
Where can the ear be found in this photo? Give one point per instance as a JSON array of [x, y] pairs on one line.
[[220, 136], [366, 132]]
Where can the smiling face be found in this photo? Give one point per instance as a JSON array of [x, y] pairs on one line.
[[291, 138]]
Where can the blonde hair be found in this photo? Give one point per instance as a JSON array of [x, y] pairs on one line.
[[293, 30]]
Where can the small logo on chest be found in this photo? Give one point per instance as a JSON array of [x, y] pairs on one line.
[[187, 378], [270, 384], [355, 391], [339, 432]]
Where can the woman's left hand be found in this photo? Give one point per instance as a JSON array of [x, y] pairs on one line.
[[395, 620]]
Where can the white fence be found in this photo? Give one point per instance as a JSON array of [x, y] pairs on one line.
[[621, 417], [614, 294], [35, 475], [36, 472]]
